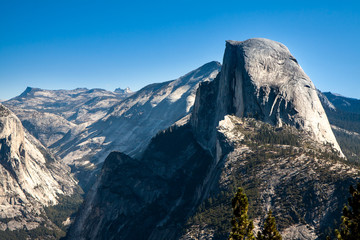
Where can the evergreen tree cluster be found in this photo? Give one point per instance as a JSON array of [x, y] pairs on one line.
[[350, 226], [243, 228], [269, 231]]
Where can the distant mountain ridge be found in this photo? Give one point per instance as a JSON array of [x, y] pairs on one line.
[[83, 126], [130, 124], [344, 103], [50, 114]]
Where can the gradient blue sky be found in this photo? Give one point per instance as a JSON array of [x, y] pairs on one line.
[[110, 44]]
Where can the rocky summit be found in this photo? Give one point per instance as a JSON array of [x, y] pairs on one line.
[[261, 79], [260, 125]]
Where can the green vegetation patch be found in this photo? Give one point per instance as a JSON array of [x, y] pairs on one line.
[[67, 207]]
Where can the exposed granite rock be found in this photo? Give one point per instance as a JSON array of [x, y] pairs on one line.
[[260, 78], [304, 184], [182, 186], [167, 192], [30, 178]]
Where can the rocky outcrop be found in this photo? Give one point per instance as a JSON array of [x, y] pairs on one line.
[[30, 177], [259, 125], [325, 101], [125, 92], [260, 78]]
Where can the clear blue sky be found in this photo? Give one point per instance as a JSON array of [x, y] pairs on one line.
[[110, 44]]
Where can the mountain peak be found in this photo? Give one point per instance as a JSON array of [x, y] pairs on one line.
[[123, 91], [264, 42], [260, 78], [27, 91]]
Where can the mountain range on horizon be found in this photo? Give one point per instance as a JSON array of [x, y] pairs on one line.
[[173, 152]]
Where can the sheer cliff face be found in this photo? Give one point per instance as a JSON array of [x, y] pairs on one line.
[[178, 187], [260, 78], [30, 178]]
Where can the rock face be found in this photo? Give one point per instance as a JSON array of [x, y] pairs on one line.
[[260, 78], [30, 177], [282, 169], [259, 125]]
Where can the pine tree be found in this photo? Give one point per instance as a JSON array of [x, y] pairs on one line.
[[350, 226], [269, 232], [242, 227]]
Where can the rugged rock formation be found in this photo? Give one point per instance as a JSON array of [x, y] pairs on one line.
[[125, 92], [283, 169], [179, 191], [260, 78], [325, 101], [182, 185], [30, 177]]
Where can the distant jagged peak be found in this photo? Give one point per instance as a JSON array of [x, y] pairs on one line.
[[126, 90], [28, 90]]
